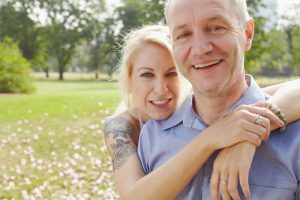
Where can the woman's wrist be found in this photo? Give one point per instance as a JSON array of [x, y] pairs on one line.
[[278, 112]]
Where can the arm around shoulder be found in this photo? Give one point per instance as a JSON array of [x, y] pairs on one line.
[[287, 98]]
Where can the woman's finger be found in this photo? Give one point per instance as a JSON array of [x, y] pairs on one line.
[[244, 182], [233, 184], [214, 185], [223, 185], [259, 108]]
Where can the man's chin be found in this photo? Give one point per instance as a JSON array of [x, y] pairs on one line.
[[213, 92]]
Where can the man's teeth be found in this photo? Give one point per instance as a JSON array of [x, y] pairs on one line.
[[207, 64], [159, 102]]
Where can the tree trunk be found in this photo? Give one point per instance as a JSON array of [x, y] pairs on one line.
[[46, 70], [96, 75], [61, 73]]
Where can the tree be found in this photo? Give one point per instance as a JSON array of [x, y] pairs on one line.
[[290, 24], [276, 61], [16, 24], [96, 40], [254, 57], [153, 11], [68, 26], [109, 48], [14, 69]]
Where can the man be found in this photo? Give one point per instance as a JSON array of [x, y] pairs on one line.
[[209, 39]]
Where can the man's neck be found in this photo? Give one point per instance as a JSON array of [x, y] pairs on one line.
[[212, 108]]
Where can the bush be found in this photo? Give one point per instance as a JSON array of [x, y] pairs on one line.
[[14, 70]]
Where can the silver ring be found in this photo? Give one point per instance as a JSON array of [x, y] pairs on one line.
[[258, 119], [223, 182]]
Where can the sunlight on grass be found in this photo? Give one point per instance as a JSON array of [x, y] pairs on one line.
[[51, 143]]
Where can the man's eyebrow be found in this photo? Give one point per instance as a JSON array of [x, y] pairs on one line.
[[217, 17], [179, 28]]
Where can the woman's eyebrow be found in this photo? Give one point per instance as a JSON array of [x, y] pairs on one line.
[[145, 68]]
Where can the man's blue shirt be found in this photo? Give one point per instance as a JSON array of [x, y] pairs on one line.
[[275, 169]]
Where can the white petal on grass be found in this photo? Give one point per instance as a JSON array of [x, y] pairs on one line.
[[27, 181], [35, 137]]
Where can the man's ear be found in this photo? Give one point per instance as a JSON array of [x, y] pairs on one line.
[[249, 33]]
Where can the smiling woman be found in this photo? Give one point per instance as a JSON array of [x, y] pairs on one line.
[[154, 83]]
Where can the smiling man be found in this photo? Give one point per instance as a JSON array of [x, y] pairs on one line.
[[209, 39]]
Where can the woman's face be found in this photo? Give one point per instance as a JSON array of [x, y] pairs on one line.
[[154, 82]]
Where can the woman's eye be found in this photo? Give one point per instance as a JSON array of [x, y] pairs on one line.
[[147, 74], [172, 74]]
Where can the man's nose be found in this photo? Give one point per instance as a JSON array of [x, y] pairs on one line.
[[201, 44]]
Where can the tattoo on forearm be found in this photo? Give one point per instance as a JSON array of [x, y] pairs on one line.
[[122, 147], [121, 155]]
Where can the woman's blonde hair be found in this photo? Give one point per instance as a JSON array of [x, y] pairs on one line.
[[133, 42]]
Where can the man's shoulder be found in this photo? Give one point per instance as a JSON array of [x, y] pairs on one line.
[[288, 138], [293, 128]]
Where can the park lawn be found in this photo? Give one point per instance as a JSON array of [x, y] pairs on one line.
[[51, 142]]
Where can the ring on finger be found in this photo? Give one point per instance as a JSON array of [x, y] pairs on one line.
[[224, 182], [258, 119]]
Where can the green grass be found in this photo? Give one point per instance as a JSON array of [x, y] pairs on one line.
[[51, 143], [75, 76], [266, 81], [59, 99]]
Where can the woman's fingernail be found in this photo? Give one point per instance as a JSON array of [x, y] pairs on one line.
[[280, 123]]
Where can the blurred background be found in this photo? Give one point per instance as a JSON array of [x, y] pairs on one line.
[[58, 83]]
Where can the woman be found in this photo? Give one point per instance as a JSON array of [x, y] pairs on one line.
[[150, 87]]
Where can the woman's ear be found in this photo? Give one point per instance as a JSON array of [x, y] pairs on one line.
[[249, 32]]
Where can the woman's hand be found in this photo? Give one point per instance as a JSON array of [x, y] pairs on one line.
[[231, 167], [246, 123]]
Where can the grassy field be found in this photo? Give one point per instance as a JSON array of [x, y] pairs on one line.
[[51, 143], [75, 76]]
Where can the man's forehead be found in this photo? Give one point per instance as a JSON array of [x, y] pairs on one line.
[[179, 9], [174, 4]]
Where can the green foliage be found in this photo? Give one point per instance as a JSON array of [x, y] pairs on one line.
[[253, 57], [14, 70], [275, 61], [16, 24]]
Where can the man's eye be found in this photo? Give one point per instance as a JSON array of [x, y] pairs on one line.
[[217, 29], [183, 35], [172, 74], [147, 74]]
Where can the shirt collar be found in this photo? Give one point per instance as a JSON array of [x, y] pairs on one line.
[[252, 95], [186, 114]]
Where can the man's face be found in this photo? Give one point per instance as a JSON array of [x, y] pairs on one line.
[[209, 43]]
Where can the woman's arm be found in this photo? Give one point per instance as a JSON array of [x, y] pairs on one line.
[[236, 160], [271, 90], [168, 181], [287, 98]]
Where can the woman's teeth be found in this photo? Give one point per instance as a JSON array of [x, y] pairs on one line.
[[159, 102]]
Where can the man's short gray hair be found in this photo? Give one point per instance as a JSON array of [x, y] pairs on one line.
[[240, 7]]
